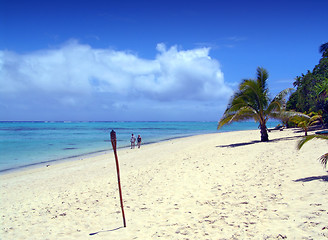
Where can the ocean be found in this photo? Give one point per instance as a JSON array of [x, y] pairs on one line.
[[24, 144]]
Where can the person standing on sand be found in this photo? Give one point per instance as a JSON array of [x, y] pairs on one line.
[[139, 141], [133, 141]]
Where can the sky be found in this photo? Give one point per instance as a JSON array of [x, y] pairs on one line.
[[128, 60]]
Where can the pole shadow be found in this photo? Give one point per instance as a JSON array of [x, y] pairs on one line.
[[110, 230]]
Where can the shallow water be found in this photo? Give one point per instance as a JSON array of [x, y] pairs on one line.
[[28, 143]]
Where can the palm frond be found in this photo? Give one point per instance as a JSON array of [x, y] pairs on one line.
[[321, 89], [324, 159], [262, 76], [308, 138], [279, 101], [283, 94], [242, 114], [274, 106], [254, 95], [226, 119], [305, 140], [323, 48], [290, 114], [299, 118], [316, 119], [278, 115]]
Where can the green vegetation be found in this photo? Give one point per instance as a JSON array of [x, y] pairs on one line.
[[311, 93], [252, 101], [305, 121], [324, 158]]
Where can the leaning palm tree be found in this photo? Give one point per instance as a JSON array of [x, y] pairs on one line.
[[252, 101], [324, 158]]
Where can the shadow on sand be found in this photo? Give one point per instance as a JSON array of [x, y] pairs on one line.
[[111, 230], [309, 179], [257, 141], [238, 144]]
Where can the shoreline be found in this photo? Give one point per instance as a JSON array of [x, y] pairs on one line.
[[211, 186], [108, 151], [41, 155], [81, 156]]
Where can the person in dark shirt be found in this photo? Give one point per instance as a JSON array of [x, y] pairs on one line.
[[139, 141]]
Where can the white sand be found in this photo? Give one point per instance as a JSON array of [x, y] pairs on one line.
[[215, 186]]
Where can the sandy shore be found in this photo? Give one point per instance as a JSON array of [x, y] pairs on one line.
[[215, 186]]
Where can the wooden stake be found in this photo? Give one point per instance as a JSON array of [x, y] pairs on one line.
[[113, 140]]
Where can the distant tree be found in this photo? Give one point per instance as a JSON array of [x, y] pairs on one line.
[[311, 88], [252, 101], [306, 95], [323, 49], [322, 90]]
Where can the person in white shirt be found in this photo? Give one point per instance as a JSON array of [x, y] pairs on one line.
[[133, 141]]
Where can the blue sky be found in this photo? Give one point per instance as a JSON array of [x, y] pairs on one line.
[[148, 60]]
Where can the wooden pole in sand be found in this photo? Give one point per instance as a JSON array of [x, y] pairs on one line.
[[113, 140]]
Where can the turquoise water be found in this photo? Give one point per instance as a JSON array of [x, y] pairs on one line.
[[27, 143]]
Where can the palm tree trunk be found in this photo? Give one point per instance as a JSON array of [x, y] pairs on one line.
[[264, 133]]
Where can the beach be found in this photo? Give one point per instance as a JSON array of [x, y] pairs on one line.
[[212, 186]]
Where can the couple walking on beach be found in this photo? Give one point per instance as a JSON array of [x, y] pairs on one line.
[[133, 141]]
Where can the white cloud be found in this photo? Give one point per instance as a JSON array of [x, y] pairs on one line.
[[75, 72]]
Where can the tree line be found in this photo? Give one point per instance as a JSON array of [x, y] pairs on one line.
[[311, 93]]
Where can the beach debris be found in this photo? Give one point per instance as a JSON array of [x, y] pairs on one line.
[[280, 236], [113, 140]]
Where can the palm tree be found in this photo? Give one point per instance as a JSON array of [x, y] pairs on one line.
[[252, 101], [305, 121], [323, 49], [324, 158]]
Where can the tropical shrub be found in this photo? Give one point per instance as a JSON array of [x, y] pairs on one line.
[[305, 121]]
